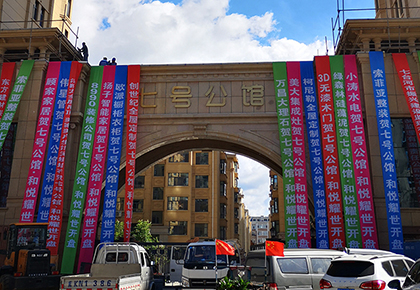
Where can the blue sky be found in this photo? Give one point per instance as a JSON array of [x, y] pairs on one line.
[[211, 31]]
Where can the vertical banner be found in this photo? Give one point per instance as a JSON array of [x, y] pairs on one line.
[[386, 147], [55, 218], [54, 143], [82, 170], [286, 147], [114, 155], [6, 164], [406, 79], [7, 71], [315, 152], [413, 153], [96, 170], [345, 156], [329, 147], [299, 159], [14, 99], [360, 157], [130, 170], [40, 143]]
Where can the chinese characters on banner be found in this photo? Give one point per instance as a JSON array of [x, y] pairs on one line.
[[114, 155], [54, 143], [56, 209], [345, 156], [40, 143], [413, 153], [7, 71], [360, 158], [97, 168], [81, 179], [386, 146], [133, 81], [315, 153], [299, 159], [330, 154], [286, 149]]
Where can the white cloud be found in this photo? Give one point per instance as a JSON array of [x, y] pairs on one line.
[[196, 31]]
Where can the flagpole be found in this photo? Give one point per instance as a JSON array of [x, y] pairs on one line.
[[265, 262], [215, 251]]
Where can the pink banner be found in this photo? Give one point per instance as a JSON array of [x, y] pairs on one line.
[[413, 153], [360, 157], [56, 210], [133, 80], [299, 160], [403, 69], [40, 143], [5, 84], [97, 168]]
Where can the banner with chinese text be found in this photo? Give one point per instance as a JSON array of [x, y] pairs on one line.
[[132, 119], [329, 146], [7, 70], [386, 147], [84, 159], [315, 152], [286, 147]]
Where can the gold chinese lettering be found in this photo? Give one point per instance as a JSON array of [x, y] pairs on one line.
[[181, 96], [256, 94], [210, 94], [142, 94]]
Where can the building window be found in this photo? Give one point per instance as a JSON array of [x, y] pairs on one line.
[[201, 230], [36, 10], [236, 182], [201, 181], [276, 226], [222, 233], [139, 182], [177, 228], [201, 158], [180, 157], [236, 166], [68, 8], [157, 193], [41, 17], [223, 211], [157, 217], [274, 182], [120, 207], [222, 166], [201, 205], [177, 179], [275, 205], [236, 197], [236, 213], [177, 203], [236, 229], [222, 188], [159, 170], [138, 205], [407, 154]]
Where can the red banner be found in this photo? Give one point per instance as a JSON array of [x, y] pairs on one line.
[[403, 69], [413, 153], [133, 81], [40, 143], [360, 157], [331, 167], [299, 159], [97, 168], [7, 71], [56, 208]]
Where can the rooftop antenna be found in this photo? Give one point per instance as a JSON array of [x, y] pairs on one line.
[[326, 46]]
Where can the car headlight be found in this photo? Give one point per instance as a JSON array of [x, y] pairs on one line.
[[185, 282]]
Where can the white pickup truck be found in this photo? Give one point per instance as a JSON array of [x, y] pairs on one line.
[[115, 266]]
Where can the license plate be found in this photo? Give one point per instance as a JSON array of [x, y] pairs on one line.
[[345, 288]]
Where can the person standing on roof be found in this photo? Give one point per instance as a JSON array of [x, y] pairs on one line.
[[104, 61]]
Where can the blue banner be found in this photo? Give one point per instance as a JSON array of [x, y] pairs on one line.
[[114, 155], [315, 152], [386, 146], [53, 145]]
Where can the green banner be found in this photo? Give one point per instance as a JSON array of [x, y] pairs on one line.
[[345, 155], [82, 170], [14, 99], [286, 147]]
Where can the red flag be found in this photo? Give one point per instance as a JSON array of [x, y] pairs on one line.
[[273, 248], [223, 248]]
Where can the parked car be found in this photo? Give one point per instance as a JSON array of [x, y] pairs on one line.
[[412, 280], [298, 269], [373, 272]]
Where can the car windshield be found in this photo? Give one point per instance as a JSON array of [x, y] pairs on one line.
[[203, 255], [31, 236], [350, 269]]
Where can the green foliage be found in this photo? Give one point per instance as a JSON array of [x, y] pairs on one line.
[[232, 284], [141, 233], [119, 230]]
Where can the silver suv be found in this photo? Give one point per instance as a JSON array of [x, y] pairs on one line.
[[368, 272]]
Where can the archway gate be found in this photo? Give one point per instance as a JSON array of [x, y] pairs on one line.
[[217, 106]]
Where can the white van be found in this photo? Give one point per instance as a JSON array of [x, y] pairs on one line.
[[176, 263], [300, 269]]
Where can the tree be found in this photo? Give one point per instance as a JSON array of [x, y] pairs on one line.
[[119, 230], [142, 233]]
